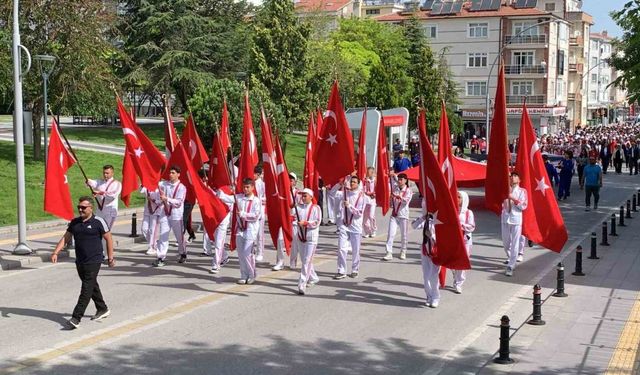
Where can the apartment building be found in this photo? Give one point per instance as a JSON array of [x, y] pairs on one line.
[[600, 95], [331, 10], [580, 28], [533, 42]]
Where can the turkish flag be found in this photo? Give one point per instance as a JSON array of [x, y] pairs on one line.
[[170, 134], [147, 161], [129, 179], [383, 187], [334, 152], [361, 163], [191, 141], [224, 128], [218, 168], [284, 184], [319, 123], [57, 197], [278, 209], [249, 150], [542, 221], [450, 250], [310, 178], [496, 187], [212, 209]]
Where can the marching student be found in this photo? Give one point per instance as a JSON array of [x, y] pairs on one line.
[[350, 227], [400, 198], [106, 192], [468, 225], [261, 194], [280, 249], [171, 195], [249, 211], [220, 256], [306, 237], [149, 219], [369, 188], [511, 220], [430, 271]]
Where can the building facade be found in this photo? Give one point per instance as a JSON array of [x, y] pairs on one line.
[[580, 28], [599, 77]]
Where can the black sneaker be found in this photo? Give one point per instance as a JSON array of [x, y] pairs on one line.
[[73, 323], [191, 238], [183, 258], [339, 276], [101, 315], [159, 263], [225, 261]]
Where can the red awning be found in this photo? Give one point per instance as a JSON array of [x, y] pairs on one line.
[[469, 174]]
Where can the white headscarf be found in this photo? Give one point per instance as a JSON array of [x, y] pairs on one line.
[[465, 201]]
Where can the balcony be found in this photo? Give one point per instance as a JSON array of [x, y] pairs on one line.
[[574, 96], [525, 39], [519, 99], [524, 69], [576, 68], [576, 41]]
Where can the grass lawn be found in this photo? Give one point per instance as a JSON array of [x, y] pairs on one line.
[[6, 118], [34, 177], [113, 135], [294, 154]]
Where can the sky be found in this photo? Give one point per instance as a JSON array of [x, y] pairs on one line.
[[600, 9]]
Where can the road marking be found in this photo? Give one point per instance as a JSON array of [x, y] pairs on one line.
[[625, 359]]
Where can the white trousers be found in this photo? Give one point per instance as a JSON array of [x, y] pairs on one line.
[[511, 234], [369, 219], [166, 226], [459, 276], [307, 271], [523, 240], [260, 239], [346, 239], [150, 230], [109, 217], [217, 244], [331, 205], [246, 258], [281, 251], [431, 283], [394, 224]]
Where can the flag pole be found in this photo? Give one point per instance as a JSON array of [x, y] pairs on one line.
[[86, 179]]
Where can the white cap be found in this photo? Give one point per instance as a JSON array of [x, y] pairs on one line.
[[293, 175], [306, 191]]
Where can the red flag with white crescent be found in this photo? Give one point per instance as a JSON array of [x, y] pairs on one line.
[[57, 196]]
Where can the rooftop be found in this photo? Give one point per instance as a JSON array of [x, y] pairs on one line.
[[601, 35], [321, 5], [432, 11]]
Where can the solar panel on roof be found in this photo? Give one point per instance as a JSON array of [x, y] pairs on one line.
[[446, 8], [437, 8], [457, 7], [531, 3], [427, 5], [520, 4], [495, 5], [476, 5]]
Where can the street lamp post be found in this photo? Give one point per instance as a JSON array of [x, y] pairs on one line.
[[46, 64], [21, 248]]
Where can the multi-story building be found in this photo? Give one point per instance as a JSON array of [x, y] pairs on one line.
[[580, 28], [375, 8], [599, 77], [331, 10], [532, 41]]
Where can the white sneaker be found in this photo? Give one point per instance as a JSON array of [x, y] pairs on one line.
[[152, 252], [387, 256], [251, 281], [508, 272], [277, 267], [458, 289], [403, 254], [434, 304], [520, 258], [374, 234], [259, 258], [241, 281], [214, 269], [313, 282]]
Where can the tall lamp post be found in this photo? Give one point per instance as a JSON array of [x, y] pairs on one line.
[[46, 63], [21, 248]]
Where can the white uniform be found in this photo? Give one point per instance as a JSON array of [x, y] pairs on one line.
[[332, 203], [350, 229], [261, 194], [305, 241], [170, 216], [511, 220], [468, 224], [400, 199], [430, 271], [220, 234], [108, 202], [369, 220], [247, 227], [149, 224]]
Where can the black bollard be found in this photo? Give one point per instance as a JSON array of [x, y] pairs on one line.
[[621, 219], [134, 225], [594, 249], [578, 271], [560, 287], [634, 203], [629, 209], [537, 307], [613, 226], [605, 239], [638, 196], [503, 353]]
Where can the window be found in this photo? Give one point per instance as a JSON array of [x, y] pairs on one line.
[[521, 58], [605, 64], [550, 7], [594, 61], [476, 60], [560, 88], [594, 78], [594, 46], [431, 31], [371, 12], [563, 31], [592, 95], [522, 88], [478, 88], [525, 27], [478, 30], [560, 63]]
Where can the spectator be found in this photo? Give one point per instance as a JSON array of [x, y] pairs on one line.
[[582, 160], [552, 174], [592, 183], [401, 164], [617, 159]]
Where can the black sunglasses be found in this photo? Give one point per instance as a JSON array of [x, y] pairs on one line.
[[83, 207]]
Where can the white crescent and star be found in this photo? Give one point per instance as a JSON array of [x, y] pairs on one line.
[[138, 151], [534, 148], [192, 148], [129, 132], [252, 141], [332, 137], [446, 167], [542, 186]]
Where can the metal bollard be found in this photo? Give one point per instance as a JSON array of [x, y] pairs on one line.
[[605, 239], [634, 203], [578, 271], [638, 196], [621, 219], [537, 307], [629, 209], [134, 225], [594, 248], [560, 287], [613, 226], [503, 353]]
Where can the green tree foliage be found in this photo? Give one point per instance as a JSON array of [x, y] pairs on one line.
[[279, 59], [175, 45], [627, 60], [6, 71], [78, 34]]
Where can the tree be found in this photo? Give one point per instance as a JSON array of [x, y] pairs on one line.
[[449, 92], [172, 46], [279, 59], [78, 34], [627, 60], [6, 71]]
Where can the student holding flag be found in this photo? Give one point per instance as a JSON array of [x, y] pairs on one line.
[[400, 198], [306, 237]]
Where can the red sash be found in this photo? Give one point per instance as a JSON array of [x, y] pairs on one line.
[[167, 210], [243, 222], [302, 236], [100, 205], [347, 219], [395, 209]]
